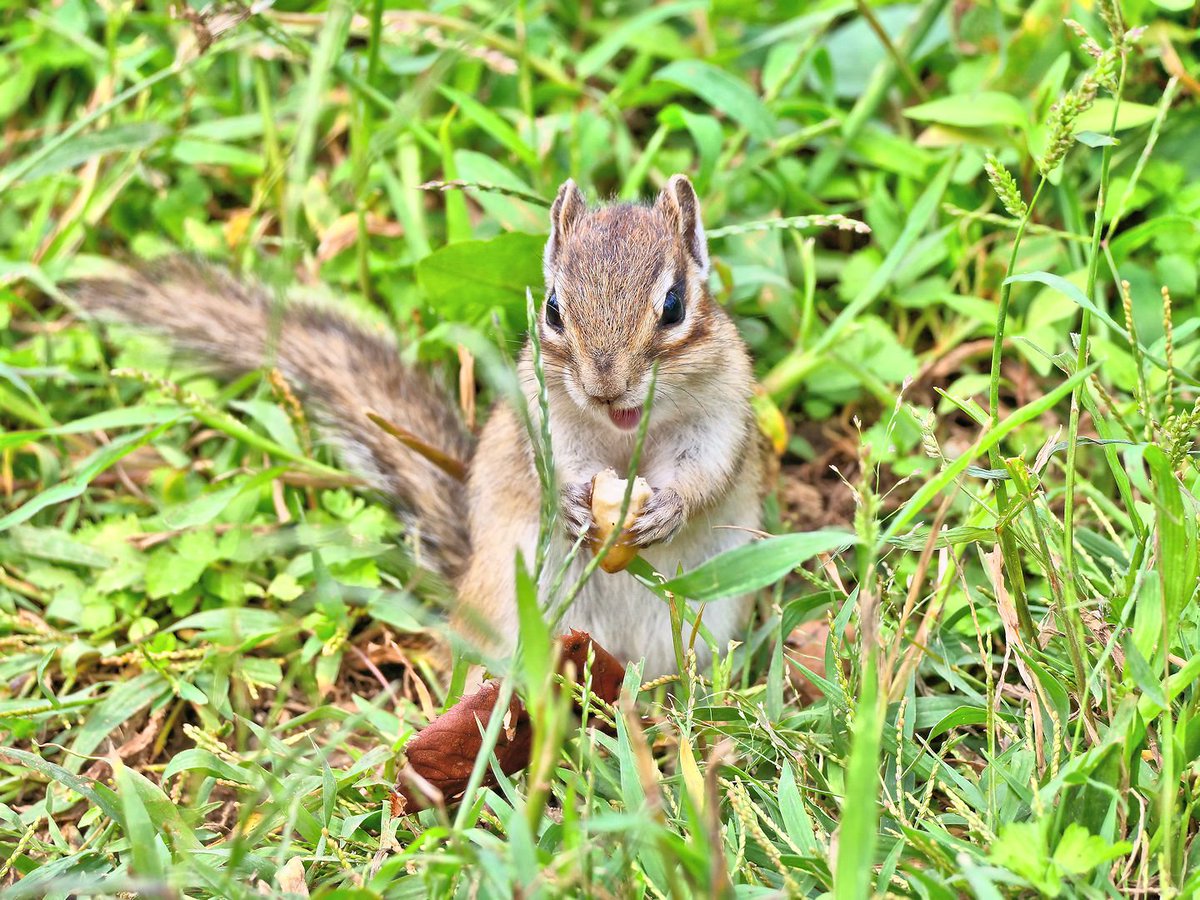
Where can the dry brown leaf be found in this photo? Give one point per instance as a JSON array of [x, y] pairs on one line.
[[442, 755], [290, 878], [344, 232]]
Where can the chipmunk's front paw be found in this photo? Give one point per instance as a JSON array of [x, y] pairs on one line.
[[576, 508], [660, 519]]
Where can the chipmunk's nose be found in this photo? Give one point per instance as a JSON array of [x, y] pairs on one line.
[[607, 398], [601, 383]]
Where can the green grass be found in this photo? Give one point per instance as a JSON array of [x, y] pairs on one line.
[[214, 644]]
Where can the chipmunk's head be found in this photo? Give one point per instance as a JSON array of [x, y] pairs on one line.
[[626, 288]]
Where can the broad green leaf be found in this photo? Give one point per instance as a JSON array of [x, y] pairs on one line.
[[233, 627], [273, 419], [1094, 139], [752, 566], [217, 153], [725, 93], [167, 573], [979, 110], [1147, 681], [1079, 851], [465, 281], [796, 819], [203, 509], [707, 134], [1099, 117], [1021, 847], [56, 545], [963, 716]]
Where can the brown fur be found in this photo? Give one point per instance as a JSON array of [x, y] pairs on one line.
[[342, 368], [610, 270]]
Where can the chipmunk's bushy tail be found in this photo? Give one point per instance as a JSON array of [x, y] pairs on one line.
[[341, 368]]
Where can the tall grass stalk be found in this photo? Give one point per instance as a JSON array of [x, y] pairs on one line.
[[1075, 636], [1008, 546]]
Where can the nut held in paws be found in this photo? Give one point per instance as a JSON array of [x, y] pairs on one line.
[[607, 493]]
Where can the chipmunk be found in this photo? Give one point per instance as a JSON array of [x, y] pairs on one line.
[[626, 290]]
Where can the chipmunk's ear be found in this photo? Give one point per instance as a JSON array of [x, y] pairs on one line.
[[679, 204], [567, 209]]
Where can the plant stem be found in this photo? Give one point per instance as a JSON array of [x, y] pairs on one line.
[[1070, 593], [1008, 545]]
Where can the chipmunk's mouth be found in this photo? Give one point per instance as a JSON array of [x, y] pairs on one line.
[[625, 419]]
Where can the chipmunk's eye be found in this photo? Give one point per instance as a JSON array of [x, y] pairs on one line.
[[672, 313], [553, 313]]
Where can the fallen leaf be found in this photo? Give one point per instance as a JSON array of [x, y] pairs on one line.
[[289, 878], [441, 756]]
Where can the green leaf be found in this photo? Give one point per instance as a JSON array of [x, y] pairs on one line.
[[1146, 680], [858, 832], [496, 126], [1079, 851], [796, 819], [724, 92], [466, 280], [749, 567], [102, 797], [598, 54], [233, 627], [963, 716], [119, 705], [197, 760], [1099, 117], [707, 134], [115, 139], [1021, 847], [284, 587], [127, 417], [1095, 139], [1175, 537], [203, 509], [1070, 291], [978, 110], [536, 652], [216, 153], [139, 829], [97, 462], [1073, 293], [989, 439], [168, 574]]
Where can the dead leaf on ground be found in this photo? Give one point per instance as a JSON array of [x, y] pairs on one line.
[[441, 756]]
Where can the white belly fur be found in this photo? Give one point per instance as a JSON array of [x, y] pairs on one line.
[[630, 621]]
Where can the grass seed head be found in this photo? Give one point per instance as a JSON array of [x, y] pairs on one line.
[[1005, 186]]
